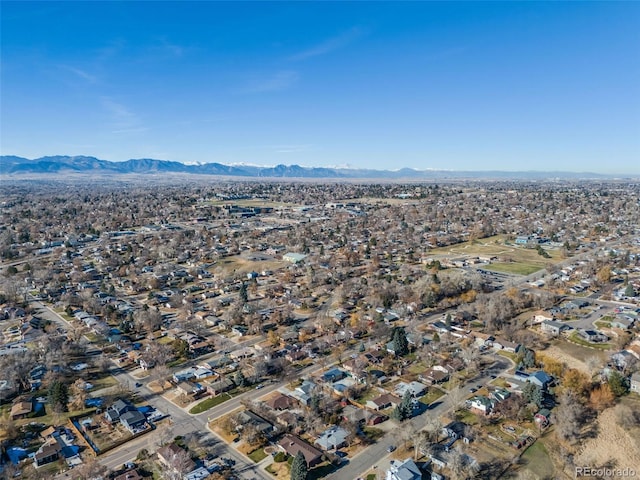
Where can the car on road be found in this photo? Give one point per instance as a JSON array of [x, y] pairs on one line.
[[138, 384], [259, 386], [391, 448], [473, 389]]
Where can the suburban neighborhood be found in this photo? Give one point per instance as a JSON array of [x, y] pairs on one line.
[[280, 330]]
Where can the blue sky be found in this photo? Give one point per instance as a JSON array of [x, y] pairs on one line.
[[444, 85]]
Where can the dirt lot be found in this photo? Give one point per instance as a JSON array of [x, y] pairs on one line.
[[574, 356], [614, 444]]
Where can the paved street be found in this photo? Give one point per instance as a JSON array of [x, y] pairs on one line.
[[377, 454]]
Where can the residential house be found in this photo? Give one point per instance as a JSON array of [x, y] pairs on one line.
[[341, 386], [134, 421], [21, 410], [480, 404], [288, 419], [247, 417], [223, 384], [483, 339], [291, 445], [623, 358], [540, 378], [333, 438], [281, 402], [415, 389], [435, 374], [506, 345], [593, 336], [199, 473], [303, 392], [542, 417], [384, 401], [219, 362], [168, 454], [553, 327], [239, 330], [184, 375], [189, 388], [357, 415], [405, 470], [455, 430], [47, 453], [623, 322], [129, 475], [500, 395], [117, 409], [293, 257]]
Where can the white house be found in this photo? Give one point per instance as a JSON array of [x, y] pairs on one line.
[[405, 470]]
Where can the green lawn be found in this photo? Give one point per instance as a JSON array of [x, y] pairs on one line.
[[515, 268], [177, 362], [321, 471], [373, 433], [258, 455], [104, 382], [510, 355], [432, 395], [467, 417], [417, 368], [537, 460], [210, 402]]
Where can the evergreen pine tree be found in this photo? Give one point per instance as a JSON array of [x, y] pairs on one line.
[[244, 294], [400, 343], [58, 396], [618, 383], [299, 467]]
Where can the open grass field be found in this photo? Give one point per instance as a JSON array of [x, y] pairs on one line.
[[514, 268], [512, 259], [241, 264]]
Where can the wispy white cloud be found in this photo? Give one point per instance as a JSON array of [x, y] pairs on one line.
[[123, 119], [165, 48], [329, 45], [278, 81], [80, 73]]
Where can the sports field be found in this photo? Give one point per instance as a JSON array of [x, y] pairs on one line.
[[509, 258]]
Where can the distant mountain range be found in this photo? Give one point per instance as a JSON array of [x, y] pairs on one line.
[[62, 164]]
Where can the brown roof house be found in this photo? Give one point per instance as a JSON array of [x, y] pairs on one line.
[[47, 453], [21, 410], [291, 445], [386, 400], [281, 402]]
